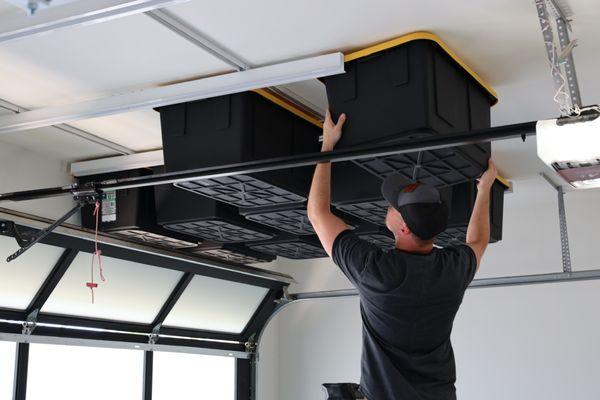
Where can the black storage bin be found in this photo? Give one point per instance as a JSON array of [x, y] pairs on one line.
[[199, 216], [356, 192], [233, 252], [233, 129], [411, 90], [291, 218], [376, 235], [130, 213], [460, 204], [292, 246]]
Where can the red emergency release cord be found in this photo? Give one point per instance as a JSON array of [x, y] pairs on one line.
[[97, 253]]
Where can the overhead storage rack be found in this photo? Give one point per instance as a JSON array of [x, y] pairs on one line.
[[234, 129], [410, 88]]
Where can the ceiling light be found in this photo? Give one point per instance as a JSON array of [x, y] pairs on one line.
[[571, 147]]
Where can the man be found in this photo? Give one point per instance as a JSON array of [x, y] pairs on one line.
[[410, 295]]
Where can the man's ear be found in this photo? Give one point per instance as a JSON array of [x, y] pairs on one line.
[[405, 229]]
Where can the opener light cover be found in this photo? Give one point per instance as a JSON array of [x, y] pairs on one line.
[[572, 150]]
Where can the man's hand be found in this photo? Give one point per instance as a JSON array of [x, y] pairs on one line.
[[332, 132], [489, 177]]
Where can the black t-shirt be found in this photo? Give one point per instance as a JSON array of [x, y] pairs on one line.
[[408, 302]]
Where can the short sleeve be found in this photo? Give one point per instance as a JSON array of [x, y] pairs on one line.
[[352, 255], [467, 260]]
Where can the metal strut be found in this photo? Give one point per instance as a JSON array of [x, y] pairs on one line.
[[562, 219], [564, 235], [27, 240], [300, 160]]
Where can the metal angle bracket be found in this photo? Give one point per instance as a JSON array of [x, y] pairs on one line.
[[566, 84], [250, 345], [285, 297], [562, 219], [154, 336], [30, 323]]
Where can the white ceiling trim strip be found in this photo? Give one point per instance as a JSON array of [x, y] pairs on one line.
[[272, 75], [72, 130], [86, 12]]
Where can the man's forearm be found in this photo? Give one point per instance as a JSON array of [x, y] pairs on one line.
[[478, 231], [320, 190]]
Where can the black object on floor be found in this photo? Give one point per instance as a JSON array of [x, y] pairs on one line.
[[233, 252], [131, 213], [291, 218], [181, 211], [408, 91], [239, 128], [343, 391], [292, 246]]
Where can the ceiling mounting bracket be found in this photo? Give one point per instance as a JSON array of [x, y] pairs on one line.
[[562, 65], [30, 323], [27, 239]]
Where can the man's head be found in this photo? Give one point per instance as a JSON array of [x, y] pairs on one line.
[[416, 214]]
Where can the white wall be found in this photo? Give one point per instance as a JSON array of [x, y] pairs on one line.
[[518, 343], [23, 170]]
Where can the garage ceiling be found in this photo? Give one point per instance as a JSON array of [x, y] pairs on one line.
[[501, 40]]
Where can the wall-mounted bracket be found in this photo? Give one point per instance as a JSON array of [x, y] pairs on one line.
[[562, 218]]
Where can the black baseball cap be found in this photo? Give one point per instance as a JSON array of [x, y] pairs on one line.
[[420, 205]]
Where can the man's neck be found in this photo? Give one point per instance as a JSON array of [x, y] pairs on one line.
[[412, 247]]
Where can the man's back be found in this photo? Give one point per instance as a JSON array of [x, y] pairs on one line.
[[408, 305]]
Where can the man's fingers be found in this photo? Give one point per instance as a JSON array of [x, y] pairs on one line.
[[341, 121], [328, 117]]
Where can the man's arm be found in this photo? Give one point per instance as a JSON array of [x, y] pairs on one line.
[[478, 232], [326, 225]]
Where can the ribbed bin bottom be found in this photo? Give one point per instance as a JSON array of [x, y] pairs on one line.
[[442, 167], [294, 249], [371, 211], [292, 218], [237, 254], [155, 239], [219, 231], [452, 237], [242, 191]]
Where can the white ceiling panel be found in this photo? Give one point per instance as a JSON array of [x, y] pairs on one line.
[[87, 62], [55, 143], [132, 292], [7, 8], [138, 130]]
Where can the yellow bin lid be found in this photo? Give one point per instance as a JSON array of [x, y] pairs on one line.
[[422, 36]]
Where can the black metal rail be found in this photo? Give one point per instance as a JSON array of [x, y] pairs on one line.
[[373, 150]]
